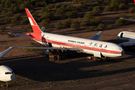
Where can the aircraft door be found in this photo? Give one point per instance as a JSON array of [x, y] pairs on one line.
[[97, 54], [50, 44]]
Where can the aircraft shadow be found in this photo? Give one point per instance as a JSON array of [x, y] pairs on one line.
[[40, 69]]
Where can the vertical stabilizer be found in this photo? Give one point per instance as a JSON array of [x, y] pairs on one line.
[[134, 1], [32, 21]]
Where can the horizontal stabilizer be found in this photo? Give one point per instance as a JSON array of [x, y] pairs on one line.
[[95, 37], [21, 35], [7, 50]]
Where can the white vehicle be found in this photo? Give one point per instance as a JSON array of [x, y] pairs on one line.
[[6, 74], [55, 41]]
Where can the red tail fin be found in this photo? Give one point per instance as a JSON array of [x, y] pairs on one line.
[[134, 1], [32, 21]]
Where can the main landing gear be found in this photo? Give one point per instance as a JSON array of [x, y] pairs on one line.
[[103, 59]]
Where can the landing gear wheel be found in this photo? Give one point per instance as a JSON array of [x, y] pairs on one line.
[[105, 59]]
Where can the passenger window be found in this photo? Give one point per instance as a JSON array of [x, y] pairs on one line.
[[8, 72]]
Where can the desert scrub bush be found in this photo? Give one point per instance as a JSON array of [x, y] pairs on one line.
[[95, 22], [4, 12], [17, 16], [70, 8], [7, 19], [61, 10], [131, 10], [10, 25], [44, 23], [24, 21], [66, 23], [87, 17], [108, 8], [122, 6], [35, 14], [9, 13], [96, 10], [49, 7], [77, 1], [2, 28], [48, 30], [109, 26], [1, 20], [123, 15], [121, 22], [90, 28], [14, 21], [26, 4], [59, 25], [101, 26], [104, 2], [82, 24], [115, 4], [41, 3], [27, 28], [7, 3], [90, 3], [15, 9], [57, 5], [47, 15], [43, 10], [71, 14], [75, 25]]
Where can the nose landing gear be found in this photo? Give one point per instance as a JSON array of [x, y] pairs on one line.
[[4, 85]]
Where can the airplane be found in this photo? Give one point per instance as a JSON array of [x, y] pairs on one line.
[[92, 46], [6, 74], [127, 36]]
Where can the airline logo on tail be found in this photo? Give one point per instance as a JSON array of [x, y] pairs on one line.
[[31, 21]]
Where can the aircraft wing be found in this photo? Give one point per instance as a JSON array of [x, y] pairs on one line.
[[10, 48], [128, 19], [95, 37], [5, 52], [21, 35]]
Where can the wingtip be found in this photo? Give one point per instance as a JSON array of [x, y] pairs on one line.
[[121, 18]]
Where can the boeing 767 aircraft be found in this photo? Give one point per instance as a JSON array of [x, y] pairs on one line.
[[60, 42]]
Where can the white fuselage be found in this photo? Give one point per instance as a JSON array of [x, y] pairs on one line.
[[6, 73], [126, 35], [94, 47]]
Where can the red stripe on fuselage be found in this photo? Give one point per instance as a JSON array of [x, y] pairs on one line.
[[83, 47]]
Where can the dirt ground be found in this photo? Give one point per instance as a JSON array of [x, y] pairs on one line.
[[36, 72]]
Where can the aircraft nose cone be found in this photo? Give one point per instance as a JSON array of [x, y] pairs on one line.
[[13, 76]]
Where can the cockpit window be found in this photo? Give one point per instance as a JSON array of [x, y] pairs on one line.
[[8, 72], [121, 35]]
